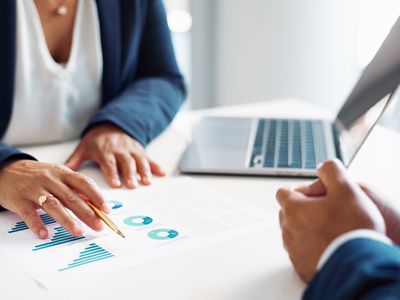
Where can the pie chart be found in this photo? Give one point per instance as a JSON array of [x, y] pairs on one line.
[[138, 220], [163, 234], [115, 204]]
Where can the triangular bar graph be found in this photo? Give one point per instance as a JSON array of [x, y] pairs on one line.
[[61, 236], [90, 254], [21, 225]]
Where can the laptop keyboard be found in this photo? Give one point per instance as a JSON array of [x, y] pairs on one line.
[[288, 144]]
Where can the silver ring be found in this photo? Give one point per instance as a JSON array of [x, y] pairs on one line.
[[42, 199]]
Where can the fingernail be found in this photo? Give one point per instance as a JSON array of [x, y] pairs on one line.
[[148, 177], [105, 208], [42, 233], [135, 183], [77, 230], [319, 165], [116, 182]]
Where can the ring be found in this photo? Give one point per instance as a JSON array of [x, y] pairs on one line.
[[42, 199]]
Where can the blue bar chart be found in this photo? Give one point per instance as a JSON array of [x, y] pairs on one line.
[[21, 225], [90, 254], [61, 236]]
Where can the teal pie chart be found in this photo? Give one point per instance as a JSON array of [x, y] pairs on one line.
[[163, 234], [138, 220], [115, 204]]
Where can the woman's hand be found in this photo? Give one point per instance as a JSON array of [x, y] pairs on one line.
[[118, 155], [22, 182]]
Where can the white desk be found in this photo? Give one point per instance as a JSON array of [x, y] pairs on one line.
[[248, 268]]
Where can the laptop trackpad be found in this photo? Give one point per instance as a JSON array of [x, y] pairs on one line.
[[218, 143]]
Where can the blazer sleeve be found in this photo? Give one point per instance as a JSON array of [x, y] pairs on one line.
[[148, 104], [360, 269], [8, 153]]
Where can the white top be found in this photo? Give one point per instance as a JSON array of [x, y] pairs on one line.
[[53, 102]]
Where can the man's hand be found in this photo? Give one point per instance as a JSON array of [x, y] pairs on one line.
[[313, 216], [117, 154], [390, 213]]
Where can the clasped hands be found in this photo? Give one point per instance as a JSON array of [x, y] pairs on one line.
[[313, 215], [121, 158]]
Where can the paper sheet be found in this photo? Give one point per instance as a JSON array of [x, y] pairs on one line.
[[172, 216]]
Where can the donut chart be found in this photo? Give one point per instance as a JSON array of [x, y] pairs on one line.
[[138, 220], [163, 234], [115, 204]]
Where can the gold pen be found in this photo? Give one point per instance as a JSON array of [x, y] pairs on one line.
[[103, 216]]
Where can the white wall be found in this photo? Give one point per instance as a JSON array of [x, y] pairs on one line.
[[266, 49]]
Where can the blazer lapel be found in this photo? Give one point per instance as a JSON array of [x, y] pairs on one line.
[[110, 28], [7, 60]]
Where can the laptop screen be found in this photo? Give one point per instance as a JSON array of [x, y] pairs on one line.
[[369, 97], [352, 135]]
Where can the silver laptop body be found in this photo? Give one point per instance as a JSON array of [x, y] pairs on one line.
[[292, 147]]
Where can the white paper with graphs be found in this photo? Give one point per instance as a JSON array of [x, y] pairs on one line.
[[170, 217]]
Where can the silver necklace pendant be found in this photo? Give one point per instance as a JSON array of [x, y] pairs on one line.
[[62, 10]]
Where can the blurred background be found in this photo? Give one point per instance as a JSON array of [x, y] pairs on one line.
[[237, 51]]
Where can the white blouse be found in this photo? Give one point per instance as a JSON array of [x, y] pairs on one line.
[[54, 102]]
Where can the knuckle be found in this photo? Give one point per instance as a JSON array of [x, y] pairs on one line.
[[52, 203], [282, 193], [330, 165], [72, 199], [46, 174], [88, 214]]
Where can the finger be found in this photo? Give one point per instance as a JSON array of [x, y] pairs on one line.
[[314, 189], [29, 215], [332, 174], [281, 218], [84, 185], [127, 167], [77, 205], [76, 159], [156, 168], [108, 165], [143, 168], [55, 209], [284, 195]]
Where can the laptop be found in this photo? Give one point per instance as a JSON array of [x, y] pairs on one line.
[[295, 147]]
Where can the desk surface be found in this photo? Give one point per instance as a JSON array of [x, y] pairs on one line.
[[248, 268]]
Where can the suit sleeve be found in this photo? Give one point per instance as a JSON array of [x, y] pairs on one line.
[[146, 106], [8, 153], [360, 269]]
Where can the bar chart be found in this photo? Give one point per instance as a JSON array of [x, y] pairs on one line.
[[90, 254], [61, 236], [21, 225]]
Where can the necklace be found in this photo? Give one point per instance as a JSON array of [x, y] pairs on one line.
[[60, 9]]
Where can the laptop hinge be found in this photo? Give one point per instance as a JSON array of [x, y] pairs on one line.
[[336, 141]]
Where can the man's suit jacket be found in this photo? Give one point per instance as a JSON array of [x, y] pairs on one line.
[[360, 269], [142, 87]]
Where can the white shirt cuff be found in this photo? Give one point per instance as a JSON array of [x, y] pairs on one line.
[[351, 235]]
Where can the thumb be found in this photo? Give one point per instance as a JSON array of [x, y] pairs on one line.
[[333, 174], [76, 159]]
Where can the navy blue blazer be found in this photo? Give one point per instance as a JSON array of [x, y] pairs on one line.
[[359, 269], [142, 86]]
